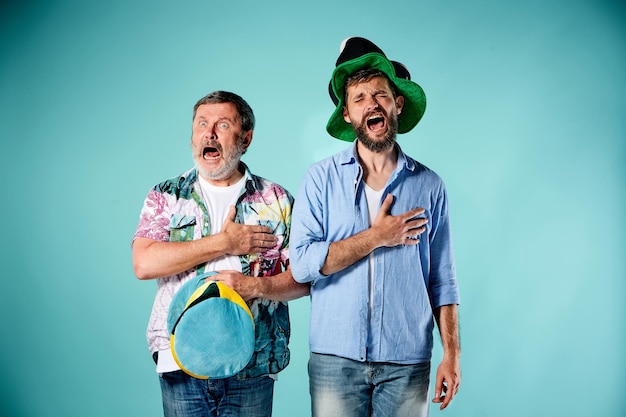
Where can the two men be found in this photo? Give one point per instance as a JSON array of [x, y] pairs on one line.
[[218, 216], [371, 233]]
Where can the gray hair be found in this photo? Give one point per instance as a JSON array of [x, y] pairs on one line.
[[244, 110]]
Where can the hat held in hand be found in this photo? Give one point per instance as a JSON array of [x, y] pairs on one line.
[[359, 53], [211, 329]]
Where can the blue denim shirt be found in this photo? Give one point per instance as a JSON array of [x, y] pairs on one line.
[[409, 280]]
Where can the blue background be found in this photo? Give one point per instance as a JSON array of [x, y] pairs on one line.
[[525, 123]]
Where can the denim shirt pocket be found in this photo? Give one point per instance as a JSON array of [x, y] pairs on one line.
[[182, 227]]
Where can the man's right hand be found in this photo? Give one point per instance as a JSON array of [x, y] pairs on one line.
[[245, 239], [387, 230], [155, 259], [402, 229]]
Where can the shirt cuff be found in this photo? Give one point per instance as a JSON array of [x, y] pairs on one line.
[[308, 262]]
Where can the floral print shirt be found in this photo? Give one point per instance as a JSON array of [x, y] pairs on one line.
[[174, 211]]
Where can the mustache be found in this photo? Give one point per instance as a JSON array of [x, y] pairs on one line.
[[211, 144], [377, 110]]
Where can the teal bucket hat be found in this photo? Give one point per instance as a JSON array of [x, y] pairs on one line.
[[359, 53], [211, 329]]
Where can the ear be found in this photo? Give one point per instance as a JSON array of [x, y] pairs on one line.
[[247, 139], [399, 103], [346, 116]]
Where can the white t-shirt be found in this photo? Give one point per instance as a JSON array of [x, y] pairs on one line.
[[217, 201], [373, 200]]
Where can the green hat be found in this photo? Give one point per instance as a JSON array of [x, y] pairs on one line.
[[359, 53]]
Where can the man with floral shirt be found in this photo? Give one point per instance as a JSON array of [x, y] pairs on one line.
[[218, 216]]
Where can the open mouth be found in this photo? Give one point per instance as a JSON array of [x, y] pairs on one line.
[[210, 152], [376, 123]]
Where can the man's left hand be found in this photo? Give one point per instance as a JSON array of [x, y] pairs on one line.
[[244, 285], [448, 380]]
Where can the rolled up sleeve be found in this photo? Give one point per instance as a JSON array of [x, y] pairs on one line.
[[443, 287]]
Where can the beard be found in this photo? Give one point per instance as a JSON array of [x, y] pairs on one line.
[[229, 163], [373, 145]]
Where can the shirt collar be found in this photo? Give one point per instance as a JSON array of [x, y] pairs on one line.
[[349, 157], [252, 184], [190, 177]]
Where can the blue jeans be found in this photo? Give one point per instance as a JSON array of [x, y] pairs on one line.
[[185, 396], [347, 388]]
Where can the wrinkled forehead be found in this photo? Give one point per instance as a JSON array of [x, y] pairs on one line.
[[371, 85], [218, 111]]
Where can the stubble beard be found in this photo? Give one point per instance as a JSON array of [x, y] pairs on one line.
[[230, 161]]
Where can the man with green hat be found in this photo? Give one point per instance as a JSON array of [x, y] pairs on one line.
[[371, 233]]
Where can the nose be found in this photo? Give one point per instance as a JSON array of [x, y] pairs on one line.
[[210, 133], [371, 102]]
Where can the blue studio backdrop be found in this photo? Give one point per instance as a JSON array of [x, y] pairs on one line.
[[525, 123]]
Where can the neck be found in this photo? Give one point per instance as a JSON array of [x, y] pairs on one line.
[[377, 166], [226, 181]]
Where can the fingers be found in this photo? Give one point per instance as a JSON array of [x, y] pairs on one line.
[[440, 389], [235, 280], [415, 226], [262, 234], [449, 394], [447, 381], [230, 218], [254, 242], [409, 217], [412, 216], [257, 238], [445, 391], [263, 244], [442, 396], [231, 213], [262, 230], [401, 229]]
